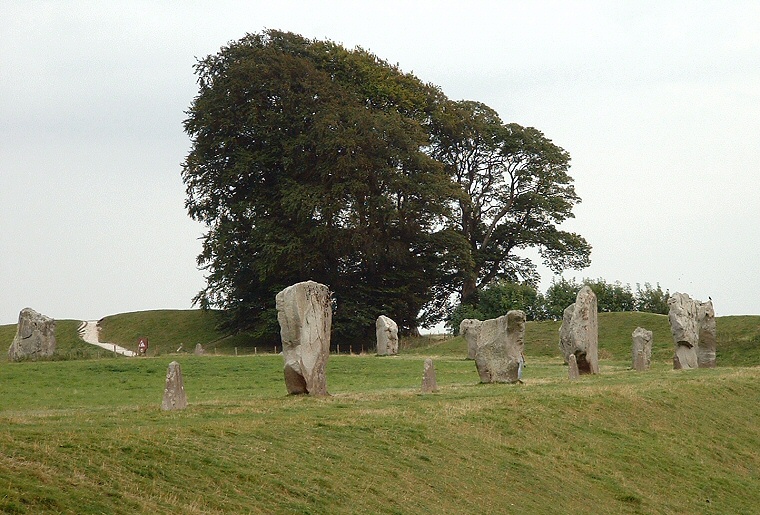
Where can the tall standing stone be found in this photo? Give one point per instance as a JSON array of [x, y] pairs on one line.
[[305, 315], [174, 392], [692, 324], [470, 329], [386, 332], [641, 349], [429, 384], [579, 333], [500, 348], [35, 336], [199, 350]]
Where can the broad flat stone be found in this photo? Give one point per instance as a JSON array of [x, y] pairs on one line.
[[500, 347], [35, 336]]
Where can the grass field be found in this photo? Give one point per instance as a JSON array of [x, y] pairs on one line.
[[87, 436]]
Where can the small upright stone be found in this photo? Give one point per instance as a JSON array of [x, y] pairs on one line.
[[174, 393], [692, 324], [35, 336], [641, 349], [579, 333], [429, 384], [470, 329], [199, 351], [572, 368], [500, 348], [386, 331], [304, 312]]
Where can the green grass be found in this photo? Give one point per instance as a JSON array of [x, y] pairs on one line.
[[89, 437], [167, 330], [68, 343]]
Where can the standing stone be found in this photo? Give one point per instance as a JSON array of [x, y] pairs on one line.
[[707, 335], [35, 336], [429, 384], [174, 393], [500, 347], [386, 331], [470, 329], [692, 324], [199, 351], [305, 315], [641, 349], [572, 368], [579, 333]]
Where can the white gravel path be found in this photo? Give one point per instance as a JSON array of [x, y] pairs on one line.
[[88, 331]]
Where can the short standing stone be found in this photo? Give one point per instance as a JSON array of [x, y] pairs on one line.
[[429, 384], [386, 331], [572, 368], [174, 392], [579, 333], [500, 348], [641, 349], [199, 350], [692, 324], [470, 329], [35, 336], [305, 315]]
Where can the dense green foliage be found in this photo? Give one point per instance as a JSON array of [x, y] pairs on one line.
[[515, 191], [313, 162], [307, 164], [498, 298]]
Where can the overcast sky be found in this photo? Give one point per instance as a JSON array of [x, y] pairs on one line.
[[658, 104]]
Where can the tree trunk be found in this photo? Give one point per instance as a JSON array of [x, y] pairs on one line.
[[469, 290]]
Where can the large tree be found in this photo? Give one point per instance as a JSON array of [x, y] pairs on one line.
[[308, 162], [515, 192]]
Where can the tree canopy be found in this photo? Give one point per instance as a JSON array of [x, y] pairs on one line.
[[311, 161], [307, 163], [515, 191]]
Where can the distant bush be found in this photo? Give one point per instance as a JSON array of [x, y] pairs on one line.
[[498, 298], [652, 300]]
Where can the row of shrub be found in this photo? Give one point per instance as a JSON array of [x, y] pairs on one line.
[[498, 298]]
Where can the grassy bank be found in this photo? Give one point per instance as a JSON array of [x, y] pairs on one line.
[[88, 437], [168, 330]]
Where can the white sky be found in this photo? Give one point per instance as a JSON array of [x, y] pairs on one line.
[[658, 103]]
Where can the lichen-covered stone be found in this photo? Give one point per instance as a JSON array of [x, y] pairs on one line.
[[572, 368], [304, 312], [174, 392], [500, 348], [692, 324], [429, 384], [579, 333], [641, 349], [35, 336], [386, 331], [199, 351], [470, 329]]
